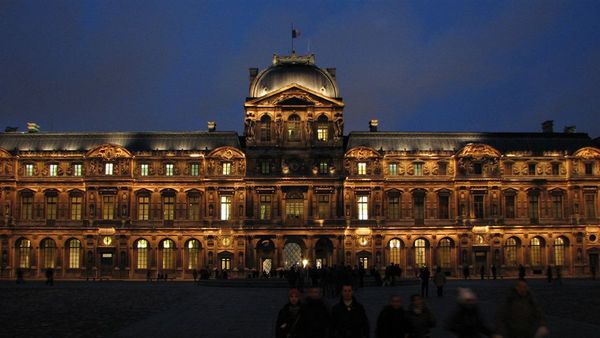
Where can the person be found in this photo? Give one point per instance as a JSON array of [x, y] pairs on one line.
[[392, 322], [148, 276], [289, 316], [420, 318], [482, 272], [494, 271], [558, 275], [521, 271], [520, 316], [195, 274], [549, 274], [314, 315], [439, 279], [466, 321], [20, 278], [424, 274], [466, 271], [348, 317], [49, 277]]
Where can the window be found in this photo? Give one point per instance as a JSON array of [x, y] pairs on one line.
[[76, 206], [590, 205], [418, 169], [265, 207], [589, 168], [265, 167], [77, 169], [509, 205], [194, 206], [478, 208], [555, 169], [510, 250], [294, 128], [29, 169], [24, 252], [419, 207], [442, 168], [557, 205], [225, 263], [445, 252], [531, 168], [477, 168], [363, 207], [169, 169], [394, 206], [536, 252], [144, 169], [168, 207], [142, 254], [48, 247], [53, 170], [508, 168], [193, 247], [323, 206], [108, 168], [226, 168], [294, 208], [395, 246], [51, 206], [534, 206], [323, 167], [225, 207], [443, 206], [265, 128], [362, 168], [323, 129], [143, 207], [74, 247], [108, 207], [168, 258], [420, 246], [559, 251], [393, 169], [195, 169], [27, 206]]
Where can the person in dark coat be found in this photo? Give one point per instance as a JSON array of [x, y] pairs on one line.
[[466, 272], [494, 271], [314, 316], [392, 322], [549, 274], [439, 279], [424, 275], [289, 316], [50, 276], [521, 272], [348, 317], [420, 318], [520, 316], [482, 272], [466, 321]]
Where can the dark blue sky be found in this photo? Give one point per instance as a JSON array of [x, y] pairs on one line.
[[415, 65]]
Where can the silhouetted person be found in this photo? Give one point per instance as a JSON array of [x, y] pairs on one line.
[[520, 316], [549, 274], [424, 275], [439, 279], [314, 316], [148, 276], [494, 271], [521, 271], [348, 317], [195, 274], [289, 316], [50, 276], [466, 271], [466, 321], [558, 275], [20, 278], [392, 321], [420, 318], [482, 272]]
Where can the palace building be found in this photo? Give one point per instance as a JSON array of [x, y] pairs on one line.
[[296, 189]]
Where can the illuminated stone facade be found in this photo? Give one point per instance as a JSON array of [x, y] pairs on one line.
[[296, 189]]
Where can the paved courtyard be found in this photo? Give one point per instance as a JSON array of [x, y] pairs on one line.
[[181, 309]]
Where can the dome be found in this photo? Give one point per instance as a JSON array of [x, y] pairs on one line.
[[301, 70]]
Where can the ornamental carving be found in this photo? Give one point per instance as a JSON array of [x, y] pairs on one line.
[[226, 153], [362, 153], [478, 151], [109, 152], [588, 153]]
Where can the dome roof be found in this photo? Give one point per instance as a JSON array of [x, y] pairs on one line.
[[301, 70]]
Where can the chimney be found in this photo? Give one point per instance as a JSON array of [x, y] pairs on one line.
[[212, 126], [570, 130], [373, 125], [331, 72], [252, 72], [548, 126]]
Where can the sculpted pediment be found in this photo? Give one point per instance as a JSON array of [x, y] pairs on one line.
[[109, 152], [294, 94], [227, 153], [588, 153], [362, 153], [478, 151]]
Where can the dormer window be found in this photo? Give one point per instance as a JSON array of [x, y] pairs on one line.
[[322, 129], [169, 169], [195, 169], [418, 169], [589, 168], [144, 169], [442, 168], [477, 169], [29, 169], [323, 167], [77, 169], [53, 170], [555, 169], [226, 168], [531, 168], [362, 168], [393, 169], [108, 168]]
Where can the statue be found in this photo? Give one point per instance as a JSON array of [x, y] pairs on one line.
[[249, 128]]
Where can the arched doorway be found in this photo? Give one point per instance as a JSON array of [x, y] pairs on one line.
[[364, 259], [323, 253], [292, 255], [265, 249]]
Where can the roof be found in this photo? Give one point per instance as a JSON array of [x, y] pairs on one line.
[[536, 143], [132, 141]]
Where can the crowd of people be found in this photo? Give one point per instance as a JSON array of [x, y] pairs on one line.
[[519, 316]]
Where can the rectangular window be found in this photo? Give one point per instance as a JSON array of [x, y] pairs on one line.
[[226, 168], [509, 206], [363, 207], [225, 208], [144, 169], [418, 169], [557, 206], [265, 167], [74, 254], [29, 169], [195, 169], [362, 168], [393, 169], [323, 206], [27, 207], [108, 169], [143, 207], [168, 208], [589, 168], [323, 133], [53, 170], [478, 208], [534, 212], [294, 209], [142, 256], [293, 131], [477, 168], [225, 263], [590, 205], [531, 168], [394, 207], [419, 208], [51, 207], [555, 169], [77, 169], [76, 203], [169, 169], [323, 167], [194, 207], [108, 207], [508, 168], [443, 168], [443, 206], [265, 207]]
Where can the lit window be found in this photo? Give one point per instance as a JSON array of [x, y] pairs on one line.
[[362, 168], [29, 169], [418, 169], [53, 170], [108, 207], [193, 253], [510, 251], [168, 247], [294, 208], [225, 208], [195, 169], [323, 167], [393, 169], [24, 253], [536, 252], [226, 168], [74, 253], [225, 263], [323, 132], [144, 169], [395, 246], [48, 248], [77, 169], [445, 252], [108, 169], [168, 208], [559, 251], [363, 207], [76, 203], [420, 245], [265, 207], [143, 207], [142, 254], [265, 167], [169, 169]]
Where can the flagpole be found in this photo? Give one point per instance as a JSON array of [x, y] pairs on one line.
[[293, 39]]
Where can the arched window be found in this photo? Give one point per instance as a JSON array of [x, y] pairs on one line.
[[265, 128], [142, 254], [48, 247], [445, 252], [74, 253], [510, 250], [24, 253], [420, 245], [168, 247], [559, 251], [536, 251], [322, 129], [395, 246], [193, 249], [293, 128]]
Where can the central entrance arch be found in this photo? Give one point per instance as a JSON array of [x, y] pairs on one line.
[[323, 253], [265, 250]]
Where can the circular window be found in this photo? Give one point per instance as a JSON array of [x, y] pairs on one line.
[[593, 238]]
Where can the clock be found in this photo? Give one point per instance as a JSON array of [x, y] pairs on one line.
[[226, 241], [107, 240]]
